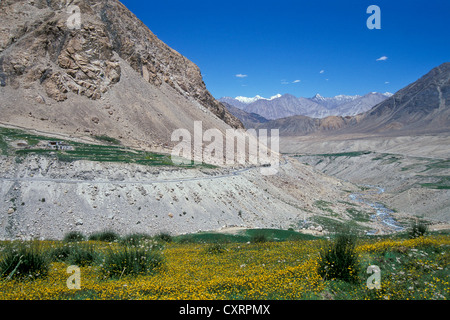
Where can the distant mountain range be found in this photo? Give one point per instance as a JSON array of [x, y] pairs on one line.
[[420, 108], [282, 106]]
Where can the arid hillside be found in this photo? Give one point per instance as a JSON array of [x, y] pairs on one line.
[[109, 75]]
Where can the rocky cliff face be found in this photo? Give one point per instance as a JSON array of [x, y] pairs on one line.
[[41, 49]]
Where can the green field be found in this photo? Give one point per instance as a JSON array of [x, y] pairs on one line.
[[442, 183], [341, 154], [109, 151]]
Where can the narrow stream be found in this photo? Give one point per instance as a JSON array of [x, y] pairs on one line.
[[383, 215]]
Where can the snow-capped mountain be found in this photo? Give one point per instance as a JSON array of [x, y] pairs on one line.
[[281, 106], [256, 98], [333, 102]]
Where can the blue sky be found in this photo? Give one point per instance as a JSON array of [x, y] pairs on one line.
[[248, 48]]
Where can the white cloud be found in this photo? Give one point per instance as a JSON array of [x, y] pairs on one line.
[[240, 75], [387, 82], [322, 71], [285, 82], [383, 58], [296, 81]]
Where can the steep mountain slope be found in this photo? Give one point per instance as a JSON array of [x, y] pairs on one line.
[[112, 76], [249, 120], [360, 104], [303, 125], [423, 106]]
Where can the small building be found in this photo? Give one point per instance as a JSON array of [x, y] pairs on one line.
[[59, 145]]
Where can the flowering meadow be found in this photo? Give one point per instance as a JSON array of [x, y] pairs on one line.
[[154, 269]]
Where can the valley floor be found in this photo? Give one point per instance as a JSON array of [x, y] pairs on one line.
[[414, 172]]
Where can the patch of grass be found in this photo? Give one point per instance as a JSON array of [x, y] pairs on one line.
[[387, 158], [215, 248], [3, 146], [259, 237], [211, 238], [358, 215], [82, 255], [135, 239], [112, 152], [243, 236], [23, 261], [79, 254], [164, 237], [437, 164], [74, 236], [60, 253], [413, 273], [83, 294], [9, 135], [278, 235], [105, 138], [341, 154], [339, 260], [335, 225], [346, 202], [323, 205], [131, 261], [443, 183], [105, 235]]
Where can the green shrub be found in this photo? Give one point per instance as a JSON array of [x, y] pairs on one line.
[[338, 260], [259, 238], [75, 254], [105, 235], [165, 237], [60, 254], [74, 236], [417, 230], [82, 255], [215, 248], [23, 260], [131, 261]]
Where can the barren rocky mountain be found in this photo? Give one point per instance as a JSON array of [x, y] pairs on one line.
[[111, 76], [422, 106], [303, 125], [249, 120]]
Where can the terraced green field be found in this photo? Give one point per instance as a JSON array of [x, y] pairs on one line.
[[109, 151]]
